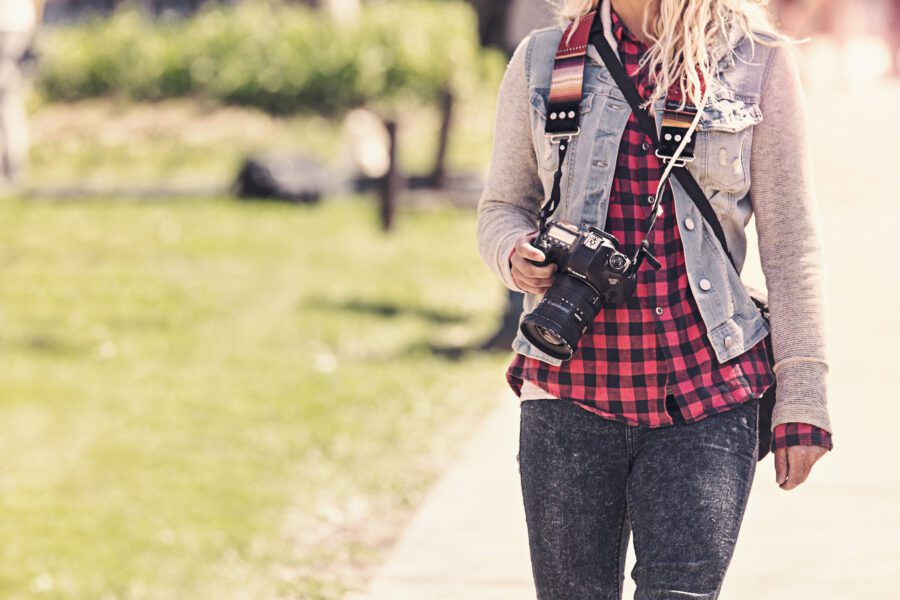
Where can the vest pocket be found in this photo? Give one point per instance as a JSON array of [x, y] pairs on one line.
[[723, 139]]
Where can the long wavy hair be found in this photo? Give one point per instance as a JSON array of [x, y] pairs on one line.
[[685, 37]]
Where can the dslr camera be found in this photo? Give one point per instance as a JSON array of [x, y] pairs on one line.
[[591, 271]]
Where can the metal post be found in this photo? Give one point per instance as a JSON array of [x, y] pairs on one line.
[[390, 183]]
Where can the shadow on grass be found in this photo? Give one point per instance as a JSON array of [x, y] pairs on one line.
[[387, 309], [453, 353]]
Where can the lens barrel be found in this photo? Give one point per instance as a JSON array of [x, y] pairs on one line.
[[559, 320]]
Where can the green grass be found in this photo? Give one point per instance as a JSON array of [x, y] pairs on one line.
[[208, 399], [104, 144]]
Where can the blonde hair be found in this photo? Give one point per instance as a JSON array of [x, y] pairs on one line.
[[689, 32]]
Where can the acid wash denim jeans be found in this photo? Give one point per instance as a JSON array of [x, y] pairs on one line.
[[588, 482]]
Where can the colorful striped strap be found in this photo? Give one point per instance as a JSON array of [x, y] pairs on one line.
[[563, 112], [676, 124]]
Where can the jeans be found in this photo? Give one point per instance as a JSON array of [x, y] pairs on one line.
[[588, 482]]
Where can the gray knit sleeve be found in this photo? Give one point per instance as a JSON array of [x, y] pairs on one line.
[[512, 196], [790, 247]]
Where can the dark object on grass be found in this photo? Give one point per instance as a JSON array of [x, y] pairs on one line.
[[390, 183], [291, 179], [503, 338]]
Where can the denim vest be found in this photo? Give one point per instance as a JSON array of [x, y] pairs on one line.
[[721, 167]]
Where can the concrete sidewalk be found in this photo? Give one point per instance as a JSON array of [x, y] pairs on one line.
[[468, 540]]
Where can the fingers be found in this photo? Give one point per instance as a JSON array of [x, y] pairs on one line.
[[797, 468], [528, 269], [800, 460], [526, 250], [531, 284], [528, 276], [531, 289], [528, 283], [781, 465]]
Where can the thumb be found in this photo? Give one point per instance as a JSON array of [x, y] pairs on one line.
[[781, 465], [526, 250]]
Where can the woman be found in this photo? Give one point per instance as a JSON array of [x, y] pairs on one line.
[[651, 426]]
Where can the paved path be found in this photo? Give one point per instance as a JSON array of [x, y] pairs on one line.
[[837, 536], [468, 540]]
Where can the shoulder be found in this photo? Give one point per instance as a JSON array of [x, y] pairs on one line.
[[538, 46], [752, 61], [766, 51], [780, 78], [536, 53], [551, 31]]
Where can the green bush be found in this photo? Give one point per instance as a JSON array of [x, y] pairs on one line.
[[282, 59]]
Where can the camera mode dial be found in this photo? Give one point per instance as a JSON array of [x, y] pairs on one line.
[[618, 262]]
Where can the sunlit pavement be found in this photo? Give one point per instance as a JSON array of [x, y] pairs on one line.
[[468, 540], [835, 536]]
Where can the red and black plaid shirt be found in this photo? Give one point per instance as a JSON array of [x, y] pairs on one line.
[[655, 344]]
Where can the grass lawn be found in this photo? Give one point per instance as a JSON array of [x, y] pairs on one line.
[[104, 144], [209, 399]]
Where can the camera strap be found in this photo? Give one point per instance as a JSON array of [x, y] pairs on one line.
[[564, 104], [648, 124]]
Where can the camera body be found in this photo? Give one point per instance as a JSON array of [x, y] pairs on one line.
[[592, 271], [591, 255]]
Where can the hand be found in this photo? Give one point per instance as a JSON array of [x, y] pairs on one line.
[[527, 276], [794, 463]]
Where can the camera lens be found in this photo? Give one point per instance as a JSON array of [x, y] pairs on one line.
[[618, 263], [548, 335], [559, 321]]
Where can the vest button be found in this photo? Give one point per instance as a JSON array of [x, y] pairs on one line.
[[705, 284], [728, 341], [689, 224]]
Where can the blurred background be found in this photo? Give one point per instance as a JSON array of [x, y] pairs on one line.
[[244, 326]]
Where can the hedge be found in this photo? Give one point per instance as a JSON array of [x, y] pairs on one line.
[[282, 58]]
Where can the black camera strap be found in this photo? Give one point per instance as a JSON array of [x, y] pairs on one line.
[[648, 124]]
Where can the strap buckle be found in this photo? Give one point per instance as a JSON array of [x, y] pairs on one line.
[[681, 161], [555, 138]]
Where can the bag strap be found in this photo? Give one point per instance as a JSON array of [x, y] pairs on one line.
[[648, 124]]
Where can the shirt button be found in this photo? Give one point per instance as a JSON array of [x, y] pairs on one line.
[[651, 199], [705, 284], [645, 146], [728, 341], [689, 224], [659, 310]]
